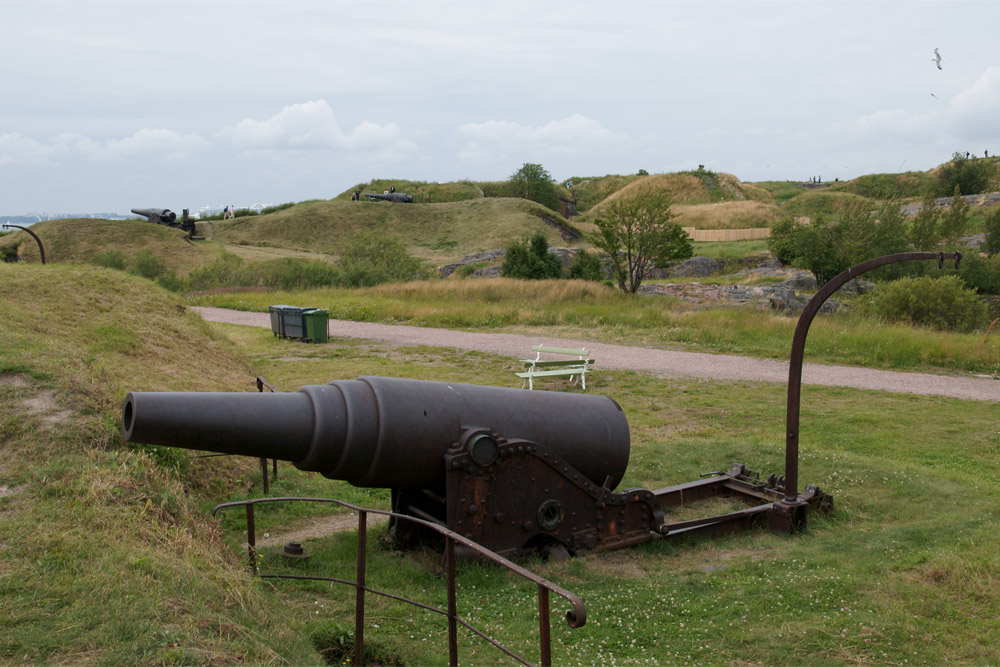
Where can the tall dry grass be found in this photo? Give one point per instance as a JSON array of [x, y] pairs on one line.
[[727, 215]]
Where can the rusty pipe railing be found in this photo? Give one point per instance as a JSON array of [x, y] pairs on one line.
[[41, 249], [575, 617], [798, 351]]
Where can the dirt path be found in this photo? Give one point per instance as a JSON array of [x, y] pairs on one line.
[[663, 363]]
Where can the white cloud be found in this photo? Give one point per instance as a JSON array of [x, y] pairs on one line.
[[969, 115], [312, 126], [575, 135], [16, 149], [973, 112], [167, 144]]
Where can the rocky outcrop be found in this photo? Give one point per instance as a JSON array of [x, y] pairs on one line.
[[473, 258], [780, 297]]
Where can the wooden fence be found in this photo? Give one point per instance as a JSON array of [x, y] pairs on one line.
[[711, 235]]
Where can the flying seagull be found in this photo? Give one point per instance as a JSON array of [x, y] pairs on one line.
[[937, 58]]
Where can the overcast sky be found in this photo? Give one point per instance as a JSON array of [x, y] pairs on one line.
[[105, 106]]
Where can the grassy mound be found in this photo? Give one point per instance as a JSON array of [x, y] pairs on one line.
[[687, 189], [727, 215], [435, 232], [422, 191], [823, 202], [105, 554], [78, 240], [885, 186]]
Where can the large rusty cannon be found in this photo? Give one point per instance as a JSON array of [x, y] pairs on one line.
[[516, 471]]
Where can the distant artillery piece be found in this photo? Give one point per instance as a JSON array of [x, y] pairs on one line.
[[397, 197], [164, 216], [159, 216]]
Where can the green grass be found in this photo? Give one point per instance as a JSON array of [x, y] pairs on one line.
[[107, 553], [79, 240], [905, 570], [912, 184], [782, 191], [422, 191], [591, 311], [731, 250], [823, 202]]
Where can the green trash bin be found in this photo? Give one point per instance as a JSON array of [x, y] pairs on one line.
[[317, 325]]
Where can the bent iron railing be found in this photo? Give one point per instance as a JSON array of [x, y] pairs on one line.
[[576, 617], [798, 352]]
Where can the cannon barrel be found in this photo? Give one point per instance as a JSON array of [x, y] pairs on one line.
[[164, 214], [382, 432]]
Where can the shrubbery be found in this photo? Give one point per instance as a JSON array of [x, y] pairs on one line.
[[969, 174], [530, 259], [371, 259], [991, 225], [368, 260], [942, 303], [587, 266]]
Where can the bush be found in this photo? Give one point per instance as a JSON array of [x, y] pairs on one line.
[[372, 259], [971, 175], [991, 225], [530, 259], [828, 248], [587, 266], [783, 241], [942, 303], [112, 259], [170, 281], [148, 265]]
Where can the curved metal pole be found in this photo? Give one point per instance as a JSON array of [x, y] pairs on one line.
[[41, 250], [798, 351]]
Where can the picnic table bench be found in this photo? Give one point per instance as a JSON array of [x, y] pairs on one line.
[[540, 368]]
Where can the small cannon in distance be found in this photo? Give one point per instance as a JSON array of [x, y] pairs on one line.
[[396, 197], [164, 216], [513, 470], [159, 216]]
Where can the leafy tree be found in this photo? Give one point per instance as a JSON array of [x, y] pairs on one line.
[[533, 182], [636, 233], [827, 248], [587, 266], [972, 175], [819, 249], [530, 259], [991, 223], [955, 220], [783, 240], [925, 226]]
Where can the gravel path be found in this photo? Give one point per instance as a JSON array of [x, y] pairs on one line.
[[663, 363]]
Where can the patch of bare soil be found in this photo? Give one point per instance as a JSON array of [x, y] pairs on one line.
[[45, 405], [321, 527], [17, 381]]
